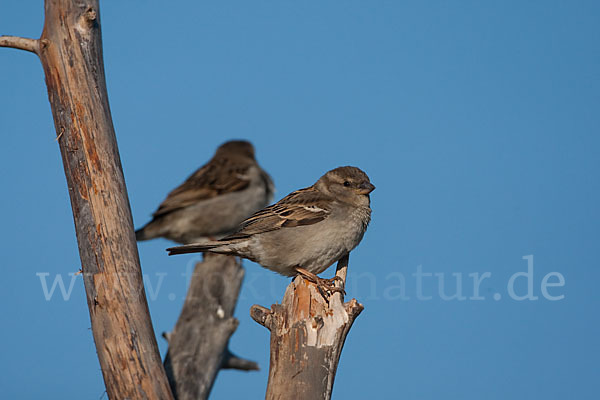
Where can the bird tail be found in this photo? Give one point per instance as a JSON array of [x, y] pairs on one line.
[[199, 248], [149, 231], [140, 235]]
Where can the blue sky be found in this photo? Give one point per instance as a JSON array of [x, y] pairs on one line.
[[478, 121]]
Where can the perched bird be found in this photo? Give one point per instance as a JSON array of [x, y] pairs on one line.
[[306, 231], [215, 199]]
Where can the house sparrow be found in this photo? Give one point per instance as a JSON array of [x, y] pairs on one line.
[[306, 231], [215, 199]]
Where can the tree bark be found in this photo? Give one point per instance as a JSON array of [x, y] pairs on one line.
[[198, 346], [70, 50], [307, 335]]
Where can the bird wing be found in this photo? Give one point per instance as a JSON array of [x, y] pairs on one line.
[[302, 207], [217, 177]]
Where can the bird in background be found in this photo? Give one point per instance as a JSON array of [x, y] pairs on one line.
[[306, 231], [215, 199]]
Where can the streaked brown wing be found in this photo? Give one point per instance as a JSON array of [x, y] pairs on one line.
[[302, 207], [217, 177]]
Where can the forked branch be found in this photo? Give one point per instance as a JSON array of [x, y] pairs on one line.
[[198, 346]]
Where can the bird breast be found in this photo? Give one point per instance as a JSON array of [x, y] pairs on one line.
[[313, 247]]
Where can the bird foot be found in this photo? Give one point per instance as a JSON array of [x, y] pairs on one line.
[[326, 286]]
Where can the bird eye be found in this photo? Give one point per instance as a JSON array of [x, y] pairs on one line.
[[346, 183]]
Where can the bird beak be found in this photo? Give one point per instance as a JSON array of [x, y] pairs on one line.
[[365, 188]]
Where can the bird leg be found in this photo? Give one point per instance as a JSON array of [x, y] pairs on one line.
[[324, 285]]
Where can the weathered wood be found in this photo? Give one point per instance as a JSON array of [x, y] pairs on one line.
[[307, 335], [20, 43], [198, 344], [70, 50]]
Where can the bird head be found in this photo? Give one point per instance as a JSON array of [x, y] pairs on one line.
[[347, 184], [237, 148]]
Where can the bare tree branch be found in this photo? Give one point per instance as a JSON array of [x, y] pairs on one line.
[[307, 335], [231, 361], [198, 346], [70, 50], [342, 270], [21, 43]]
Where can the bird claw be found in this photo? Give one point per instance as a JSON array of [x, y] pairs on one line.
[[331, 281], [327, 289], [326, 286]]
